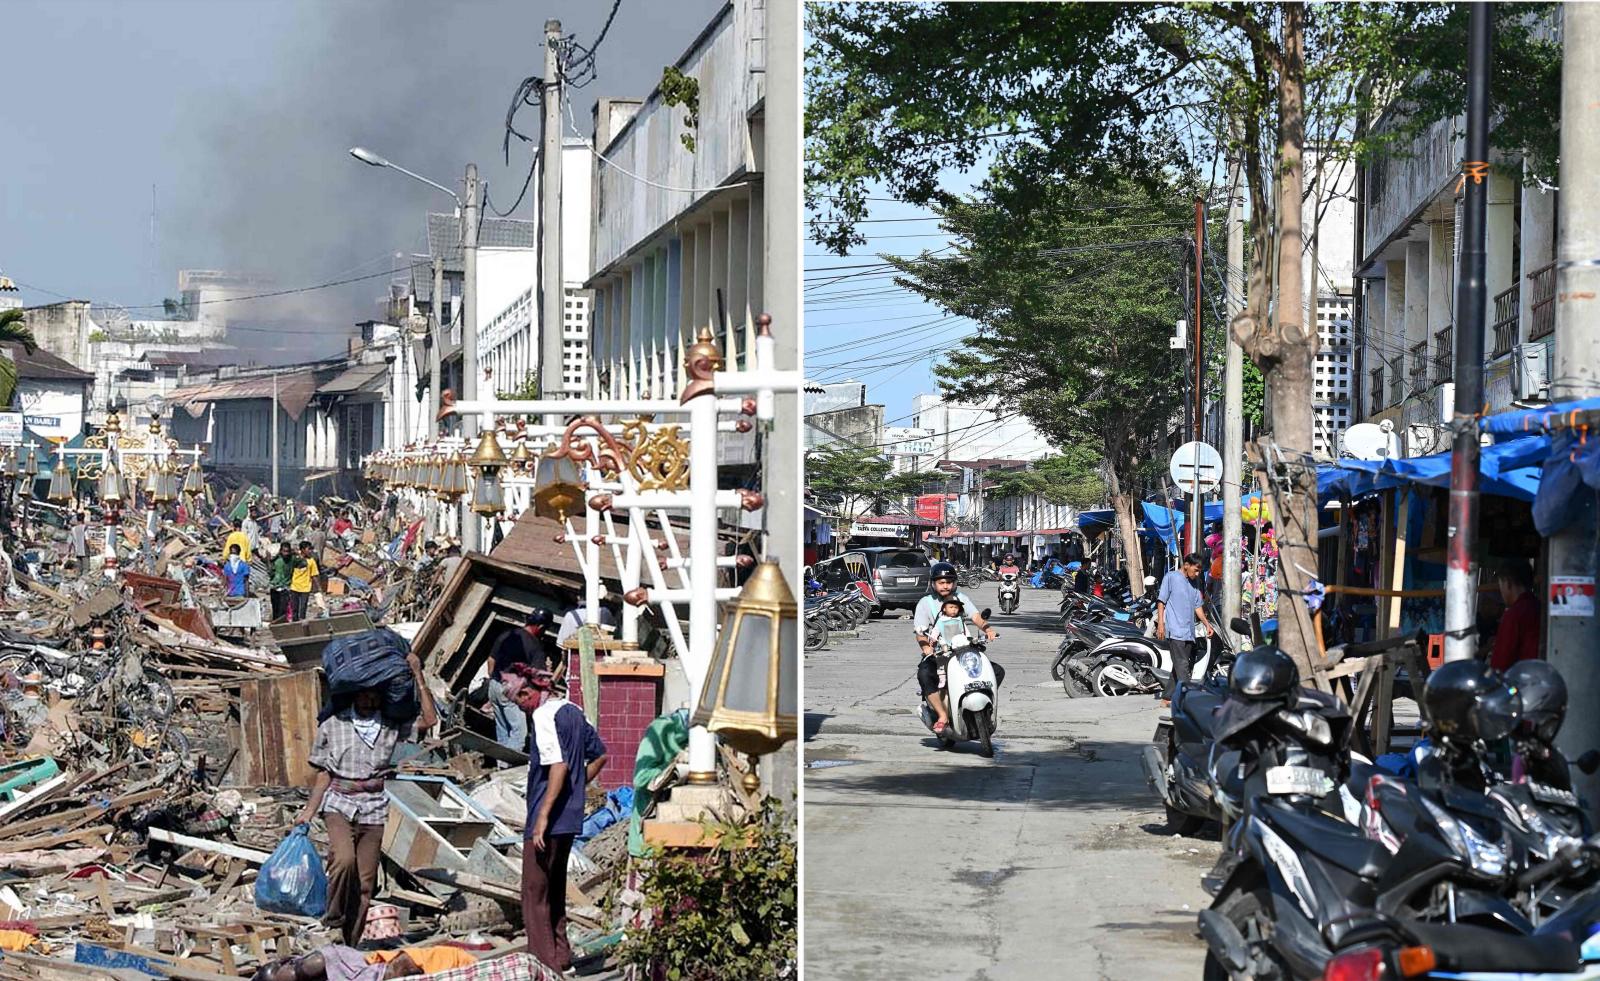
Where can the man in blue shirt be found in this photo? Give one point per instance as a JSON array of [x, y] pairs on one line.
[[1178, 605], [237, 571], [566, 754]]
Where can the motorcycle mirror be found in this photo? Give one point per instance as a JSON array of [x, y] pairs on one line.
[[1590, 761], [1239, 625], [985, 613]]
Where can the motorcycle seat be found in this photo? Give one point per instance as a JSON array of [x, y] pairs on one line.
[[1460, 947], [1332, 840], [1200, 705]]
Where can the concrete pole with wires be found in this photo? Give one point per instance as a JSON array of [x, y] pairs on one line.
[[1461, 577], [1576, 374], [274, 436], [552, 307], [1197, 531], [471, 525], [1233, 403]]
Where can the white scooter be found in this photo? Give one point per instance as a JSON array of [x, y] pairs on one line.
[[1010, 592], [967, 680]]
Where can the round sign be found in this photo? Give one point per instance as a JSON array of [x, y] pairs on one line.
[[1196, 467]]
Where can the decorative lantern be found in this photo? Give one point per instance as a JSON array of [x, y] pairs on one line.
[[194, 482], [60, 490], [557, 487], [521, 459], [487, 495], [13, 462], [455, 477], [749, 698], [165, 478], [110, 482], [33, 464]]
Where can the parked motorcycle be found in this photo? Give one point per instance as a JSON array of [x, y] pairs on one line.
[[970, 690]]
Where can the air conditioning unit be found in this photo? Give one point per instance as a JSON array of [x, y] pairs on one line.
[[1530, 372]]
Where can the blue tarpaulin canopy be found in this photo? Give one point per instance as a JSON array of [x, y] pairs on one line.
[[1506, 469]]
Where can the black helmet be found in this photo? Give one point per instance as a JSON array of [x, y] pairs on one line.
[[942, 570], [1263, 673], [1544, 697], [539, 618], [1467, 701]]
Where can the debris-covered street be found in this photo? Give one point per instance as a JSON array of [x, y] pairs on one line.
[[1046, 862], [370, 605]]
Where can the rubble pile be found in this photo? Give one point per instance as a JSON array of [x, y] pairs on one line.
[[154, 736]]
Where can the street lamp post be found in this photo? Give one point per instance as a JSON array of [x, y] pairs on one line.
[[468, 205]]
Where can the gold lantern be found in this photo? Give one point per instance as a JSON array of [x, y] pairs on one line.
[[13, 462], [60, 482], [110, 481], [521, 459], [750, 694], [194, 482], [488, 497], [455, 477], [557, 487]]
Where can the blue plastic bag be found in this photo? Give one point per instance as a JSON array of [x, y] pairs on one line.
[[291, 879]]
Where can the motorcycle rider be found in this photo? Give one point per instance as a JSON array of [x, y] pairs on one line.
[[943, 578], [1009, 566]]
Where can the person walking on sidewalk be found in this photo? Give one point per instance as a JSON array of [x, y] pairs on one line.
[[1178, 606], [352, 754], [567, 755]]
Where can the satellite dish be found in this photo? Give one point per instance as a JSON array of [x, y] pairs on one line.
[[1366, 441]]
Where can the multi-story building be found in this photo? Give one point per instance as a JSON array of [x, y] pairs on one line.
[[1409, 263], [509, 341], [1332, 375], [974, 432], [679, 233]]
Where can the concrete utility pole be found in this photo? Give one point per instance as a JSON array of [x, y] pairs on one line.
[[274, 411], [1197, 532], [781, 238], [1576, 373], [435, 372], [552, 290], [1460, 578], [470, 523], [1233, 404]]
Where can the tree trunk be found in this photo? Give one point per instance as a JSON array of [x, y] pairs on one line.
[[1129, 528], [1295, 517]]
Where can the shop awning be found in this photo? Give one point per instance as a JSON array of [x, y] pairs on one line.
[[1506, 469]]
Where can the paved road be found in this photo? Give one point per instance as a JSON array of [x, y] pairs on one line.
[[1047, 862]]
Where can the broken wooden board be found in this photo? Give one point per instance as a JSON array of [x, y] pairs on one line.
[[277, 726]]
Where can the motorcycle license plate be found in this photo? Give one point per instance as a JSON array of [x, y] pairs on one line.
[[1298, 780]]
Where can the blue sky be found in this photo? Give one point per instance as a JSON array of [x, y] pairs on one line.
[[845, 316]]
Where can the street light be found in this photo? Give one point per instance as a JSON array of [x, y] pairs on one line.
[[468, 206]]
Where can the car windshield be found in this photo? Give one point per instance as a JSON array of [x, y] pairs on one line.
[[905, 559]]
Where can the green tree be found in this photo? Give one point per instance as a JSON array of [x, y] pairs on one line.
[[856, 480], [13, 328], [1074, 319], [897, 94]]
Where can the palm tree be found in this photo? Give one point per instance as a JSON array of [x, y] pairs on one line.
[[12, 328]]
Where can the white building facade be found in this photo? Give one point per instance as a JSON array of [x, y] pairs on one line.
[[509, 340], [679, 235], [976, 432]]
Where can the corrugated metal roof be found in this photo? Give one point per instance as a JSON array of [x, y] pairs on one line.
[[295, 389], [42, 364], [358, 378], [444, 237]]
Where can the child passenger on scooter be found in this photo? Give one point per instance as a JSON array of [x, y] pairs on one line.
[[950, 611]]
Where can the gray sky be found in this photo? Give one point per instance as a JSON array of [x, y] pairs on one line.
[[240, 112]]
